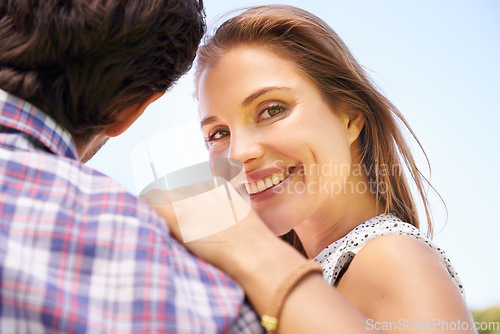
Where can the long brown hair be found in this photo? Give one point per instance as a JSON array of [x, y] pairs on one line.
[[319, 53]]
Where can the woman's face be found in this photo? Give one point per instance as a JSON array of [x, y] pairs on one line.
[[258, 108]]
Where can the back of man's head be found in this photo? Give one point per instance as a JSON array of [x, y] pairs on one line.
[[82, 61]]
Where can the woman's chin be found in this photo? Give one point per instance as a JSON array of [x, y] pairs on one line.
[[278, 223]]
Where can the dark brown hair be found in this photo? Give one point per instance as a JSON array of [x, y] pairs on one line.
[[319, 53], [83, 61]]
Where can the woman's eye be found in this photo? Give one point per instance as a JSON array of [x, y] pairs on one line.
[[217, 135], [271, 111]]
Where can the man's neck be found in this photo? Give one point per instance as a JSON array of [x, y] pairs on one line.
[[86, 150]]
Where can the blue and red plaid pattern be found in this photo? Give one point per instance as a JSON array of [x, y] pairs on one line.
[[78, 254]]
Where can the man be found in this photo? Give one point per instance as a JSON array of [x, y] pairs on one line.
[[78, 253]]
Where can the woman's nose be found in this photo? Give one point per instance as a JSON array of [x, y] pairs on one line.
[[245, 146]]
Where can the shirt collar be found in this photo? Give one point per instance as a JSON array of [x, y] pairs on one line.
[[21, 115]]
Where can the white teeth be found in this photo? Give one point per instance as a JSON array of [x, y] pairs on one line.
[[268, 182], [261, 185]]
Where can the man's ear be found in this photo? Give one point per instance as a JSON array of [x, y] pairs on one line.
[[129, 115], [354, 126]]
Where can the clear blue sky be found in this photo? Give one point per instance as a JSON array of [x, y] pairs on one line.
[[437, 61]]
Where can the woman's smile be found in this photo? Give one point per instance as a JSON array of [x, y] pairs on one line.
[[258, 186], [265, 188]]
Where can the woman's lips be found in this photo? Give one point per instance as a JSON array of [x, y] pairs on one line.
[[257, 188], [266, 183]]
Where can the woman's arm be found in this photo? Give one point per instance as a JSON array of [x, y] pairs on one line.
[[392, 278], [260, 262], [400, 281]]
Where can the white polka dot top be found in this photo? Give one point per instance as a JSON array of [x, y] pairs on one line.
[[336, 258]]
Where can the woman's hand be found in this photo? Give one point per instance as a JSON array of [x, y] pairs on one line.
[[239, 245], [213, 226]]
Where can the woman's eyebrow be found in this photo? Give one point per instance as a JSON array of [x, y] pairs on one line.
[[258, 93], [207, 120], [211, 119]]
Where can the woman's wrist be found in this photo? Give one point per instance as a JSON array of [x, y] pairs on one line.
[[260, 266], [252, 255], [253, 248]]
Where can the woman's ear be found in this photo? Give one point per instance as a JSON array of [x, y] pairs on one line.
[[129, 115], [354, 126]]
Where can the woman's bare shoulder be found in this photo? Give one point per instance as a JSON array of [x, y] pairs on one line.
[[400, 275]]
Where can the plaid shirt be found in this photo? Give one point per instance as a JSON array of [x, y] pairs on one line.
[[78, 254]]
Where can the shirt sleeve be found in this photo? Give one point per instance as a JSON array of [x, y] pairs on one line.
[[247, 321]]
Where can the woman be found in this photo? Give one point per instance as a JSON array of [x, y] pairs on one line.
[[323, 157]]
